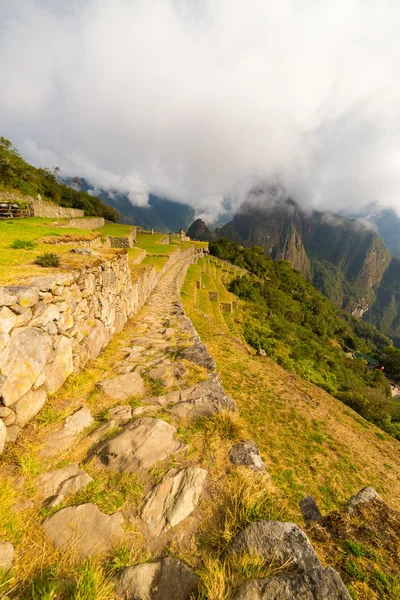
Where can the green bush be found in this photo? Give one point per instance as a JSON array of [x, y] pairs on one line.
[[22, 245], [48, 259]]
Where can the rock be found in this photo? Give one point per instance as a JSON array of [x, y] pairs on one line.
[[246, 454], [27, 353], [97, 434], [7, 298], [96, 339], [140, 445], [25, 295], [324, 584], [61, 365], [62, 482], [77, 422], [277, 541], [309, 509], [83, 529], [44, 314], [119, 322], [28, 406], [123, 386], [85, 251], [6, 555], [61, 439], [173, 499], [199, 355], [12, 434], [4, 339], [3, 435], [166, 579], [7, 319], [365, 495], [261, 352], [24, 318], [164, 374], [120, 414], [205, 398]]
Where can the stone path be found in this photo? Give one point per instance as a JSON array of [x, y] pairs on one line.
[[155, 372], [162, 343]]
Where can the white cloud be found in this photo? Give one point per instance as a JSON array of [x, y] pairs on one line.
[[199, 99]]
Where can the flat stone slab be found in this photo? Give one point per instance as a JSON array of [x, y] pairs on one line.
[[83, 529], [246, 454], [282, 542], [309, 509], [166, 579], [173, 499], [324, 584], [202, 399], [72, 427], [58, 484], [123, 386], [140, 445]]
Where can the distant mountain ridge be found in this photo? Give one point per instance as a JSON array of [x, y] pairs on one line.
[[162, 214], [345, 259], [384, 221]]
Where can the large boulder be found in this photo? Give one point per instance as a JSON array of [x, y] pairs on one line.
[[123, 386], [140, 445], [282, 542], [54, 486], [324, 584], [166, 579], [173, 499], [246, 454], [202, 399], [28, 406], [83, 529], [27, 353], [6, 555]]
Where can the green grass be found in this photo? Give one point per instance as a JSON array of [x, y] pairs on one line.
[[115, 230], [19, 263], [157, 261]]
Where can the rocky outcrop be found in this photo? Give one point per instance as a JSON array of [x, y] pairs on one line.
[[287, 546], [83, 529], [202, 399], [324, 584], [365, 495], [282, 542], [166, 579], [173, 499]]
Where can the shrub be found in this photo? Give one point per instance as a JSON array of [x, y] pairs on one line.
[[48, 259], [22, 245]]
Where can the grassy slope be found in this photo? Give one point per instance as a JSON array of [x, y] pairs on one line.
[[311, 443]]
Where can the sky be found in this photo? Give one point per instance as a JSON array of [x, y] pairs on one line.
[[200, 100]]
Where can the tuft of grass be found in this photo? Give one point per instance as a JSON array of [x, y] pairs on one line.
[[121, 559], [226, 425], [352, 569], [19, 244], [10, 521], [92, 583], [357, 549], [380, 435], [219, 578], [111, 491], [28, 463], [48, 259], [248, 498]]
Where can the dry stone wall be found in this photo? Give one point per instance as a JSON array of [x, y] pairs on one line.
[[40, 208], [53, 326]]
